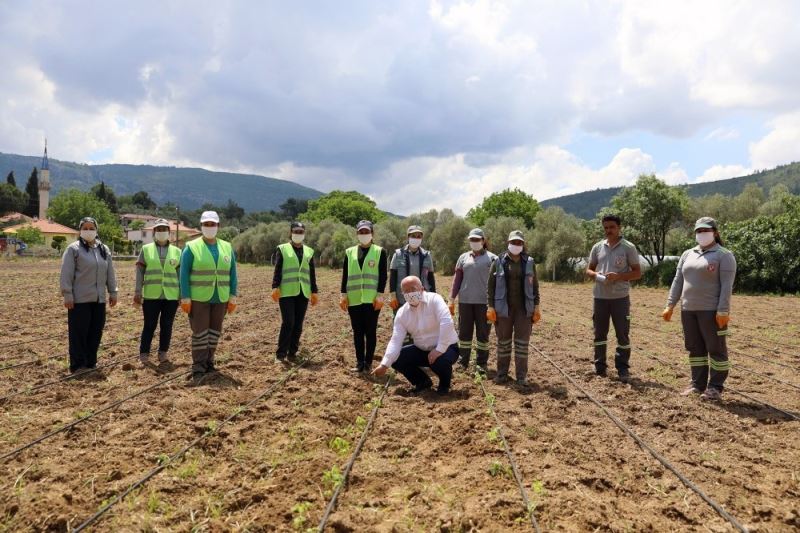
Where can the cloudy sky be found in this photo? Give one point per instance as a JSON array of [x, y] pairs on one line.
[[420, 104]]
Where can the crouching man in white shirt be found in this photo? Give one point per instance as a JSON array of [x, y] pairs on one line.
[[426, 318]]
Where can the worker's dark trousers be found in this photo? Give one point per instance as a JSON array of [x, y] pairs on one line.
[[161, 313], [513, 330], [293, 313], [364, 320], [703, 339], [205, 320], [472, 318], [85, 323], [618, 311], [412, 359]]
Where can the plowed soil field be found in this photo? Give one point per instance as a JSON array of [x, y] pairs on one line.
[[429, 463]]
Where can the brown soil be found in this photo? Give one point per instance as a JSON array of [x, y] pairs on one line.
[[429, 463]]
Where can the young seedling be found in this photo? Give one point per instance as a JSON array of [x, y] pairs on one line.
[[339, 445], [211, 426], [332, 479], [153, 503], [300, 514], [493, 435], [499, 469]]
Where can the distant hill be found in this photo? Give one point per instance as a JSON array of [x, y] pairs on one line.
[[586, 204], [189, 188]]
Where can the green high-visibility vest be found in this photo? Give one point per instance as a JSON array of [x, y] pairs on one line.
[[362, 284], [158, 277], [206, 275], [295, 276]]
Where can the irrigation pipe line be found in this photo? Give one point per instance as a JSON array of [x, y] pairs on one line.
[[349, 466], [517, 476], [65, 378], [180, 453], [729, 389], [642, 444], [92, 415], [48, 358], [756, 372]]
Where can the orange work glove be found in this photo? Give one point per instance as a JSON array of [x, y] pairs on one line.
[[666, 314], [394, 304], [722, 320], [186, 305], [491, 315], [343, 303], [537, 315], [232, 304], [276, 294], [314, 299], [377, 303], [452, 307]]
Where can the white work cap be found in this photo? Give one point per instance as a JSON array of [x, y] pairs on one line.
[[209, 216]]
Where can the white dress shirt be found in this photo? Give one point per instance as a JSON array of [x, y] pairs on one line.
[[429, 324]]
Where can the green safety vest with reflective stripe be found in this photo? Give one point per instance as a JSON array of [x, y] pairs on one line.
[[158, 277], [206, 275], [362, 284], [295, 276]]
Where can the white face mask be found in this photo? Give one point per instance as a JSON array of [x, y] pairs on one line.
[[704, 238], [209, 232], [298, 237], [162, 236], [413, 298], [89, 235], [515, 249], [414, 243], [476, 246], [365, 238]]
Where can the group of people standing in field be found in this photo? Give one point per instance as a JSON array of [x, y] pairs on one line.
[[489, 289]]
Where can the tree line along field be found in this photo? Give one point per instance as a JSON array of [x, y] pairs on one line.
[[427, 463]]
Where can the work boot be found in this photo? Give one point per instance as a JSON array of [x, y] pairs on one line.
[[711, 394], [358, 368], [422, 386], [144, 358], [624, 377], [691, 390], [501, 378], [162, 357]]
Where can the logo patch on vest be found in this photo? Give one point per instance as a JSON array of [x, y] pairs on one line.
[[371, 263], [227, 259], [619, 261], [172, 262], [711, 267]]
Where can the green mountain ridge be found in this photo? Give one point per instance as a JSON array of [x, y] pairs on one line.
[[186, 187], [587, 204]]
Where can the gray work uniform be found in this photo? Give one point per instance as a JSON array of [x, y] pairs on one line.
[[704, 283], [407, 262], [612, 302], [473, 271], [513, 291]]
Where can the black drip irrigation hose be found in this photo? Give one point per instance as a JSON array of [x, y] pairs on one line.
[[50, 357], [92, 415], [349, 466], [517, 476], [642, 444], [208, 433], [734, 391], [65, 378]]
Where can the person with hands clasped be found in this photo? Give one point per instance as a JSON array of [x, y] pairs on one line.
[[513, 306], [410, 260], [208, 292], [363, 283], [157, 290], [294, 285], [613, 264], [703, 284], [469, 286], [87, 272], [426, 318]]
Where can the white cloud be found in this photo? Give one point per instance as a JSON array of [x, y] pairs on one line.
[[779, 146], [722, 134], [722, 172]]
